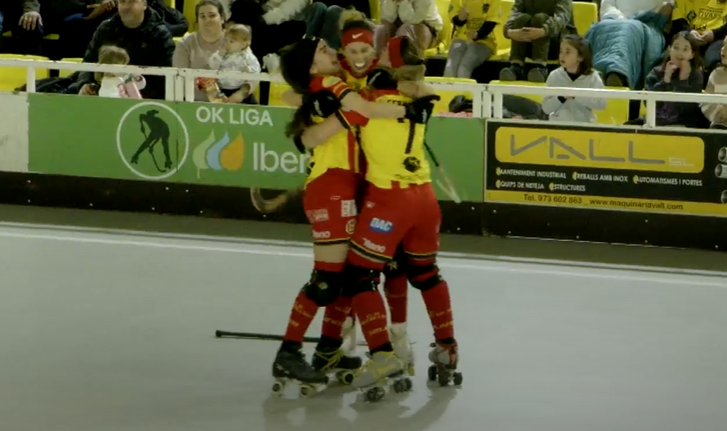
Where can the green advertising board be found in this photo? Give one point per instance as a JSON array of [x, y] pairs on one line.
[[204, 143]]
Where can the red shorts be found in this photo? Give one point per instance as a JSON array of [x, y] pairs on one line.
[[388, 217], [330, 205]]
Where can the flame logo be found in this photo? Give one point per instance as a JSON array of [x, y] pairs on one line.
[[219, 155]]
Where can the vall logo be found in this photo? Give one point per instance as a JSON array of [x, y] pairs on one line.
[[595, 149]]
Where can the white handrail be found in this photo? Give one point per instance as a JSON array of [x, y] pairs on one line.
[[487, 98]]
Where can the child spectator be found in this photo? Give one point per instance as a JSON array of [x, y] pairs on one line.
[[115, 85], [681, 72], [474, 41], [716, 113], [235, 55], [536, 27], [575, 70]]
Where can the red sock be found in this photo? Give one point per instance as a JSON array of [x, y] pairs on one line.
[[334, 317], [439, 307], [301, 316], [371, 313], [396, 296]]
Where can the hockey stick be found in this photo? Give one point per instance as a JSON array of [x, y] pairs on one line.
[[267, 206], [448, 186], [266, 337]]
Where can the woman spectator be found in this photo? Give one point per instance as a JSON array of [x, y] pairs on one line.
[[707, 24], [629, 40], [195, 50], [419, 20]]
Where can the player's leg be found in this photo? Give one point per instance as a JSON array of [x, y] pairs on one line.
[[379, 228], [421, 245], [396, 286], [323, 288], [330, 251]]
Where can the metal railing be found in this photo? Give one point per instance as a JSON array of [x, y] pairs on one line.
[[486, 99]]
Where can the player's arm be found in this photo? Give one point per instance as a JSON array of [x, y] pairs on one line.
[[291, 98], [354, 102], [318, 134]]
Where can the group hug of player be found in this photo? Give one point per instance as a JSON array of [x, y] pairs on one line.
[[370, 200]]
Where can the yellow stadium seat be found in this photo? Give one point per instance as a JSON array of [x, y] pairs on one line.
[[616, 112], [170, 3], [445, 36], [447, 95], [52, 36], [584, 16], [375, 10], [14, 77], [189, 13], [66, 73], [503, 43], [275, 98]]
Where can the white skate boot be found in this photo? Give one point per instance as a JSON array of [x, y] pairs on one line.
[[402, 346], [349, 336], [383, 372], [445, 358]]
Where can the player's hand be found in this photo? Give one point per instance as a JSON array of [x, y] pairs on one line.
[[323, 103], [420, 110], [381, 78]]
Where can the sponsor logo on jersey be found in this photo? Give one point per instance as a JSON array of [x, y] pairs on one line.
[[351, 226], [373, 247], [321, 235], [317, 215], [381, 226], [348, 208]]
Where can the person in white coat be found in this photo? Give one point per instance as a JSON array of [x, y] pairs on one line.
[[575, 70], [419, 20]]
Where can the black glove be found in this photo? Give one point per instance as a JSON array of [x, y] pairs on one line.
[[381, 79], [420, 110], [323, 103]]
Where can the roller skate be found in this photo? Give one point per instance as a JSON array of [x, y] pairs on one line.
[[444, 358], [402, 347], [330, 358], [382, 373], [290, 366]]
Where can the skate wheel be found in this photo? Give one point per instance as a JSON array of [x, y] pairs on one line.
[[375, 394], [345, 377], [277, 387], [306, 390], [457, 379], [432, 373], [409, 384], [443, 378], [399, 386]]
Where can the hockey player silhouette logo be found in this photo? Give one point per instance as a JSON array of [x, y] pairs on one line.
[[158, 131], [152, 140]]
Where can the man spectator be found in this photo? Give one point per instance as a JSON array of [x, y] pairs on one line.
[[141, 32], [43, 17], [535, 27]]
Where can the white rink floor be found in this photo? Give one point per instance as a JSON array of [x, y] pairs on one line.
[[104, 332]]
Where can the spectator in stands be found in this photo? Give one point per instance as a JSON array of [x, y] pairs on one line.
[[195, 50], [278, 23], [629, 40], [175, 21], [576, 71], [681, 72], [419, 20], [535, 27], [236, 55], [473, 42], [117, 85], [43, 17], [141, 32], [707, 22], [716, 113]]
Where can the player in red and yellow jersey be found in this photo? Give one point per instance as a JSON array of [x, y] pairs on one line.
[[310, 67], [358, 56], [400, 207]]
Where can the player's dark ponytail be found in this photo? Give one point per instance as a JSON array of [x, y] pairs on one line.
[[295, 64], [407, 59]]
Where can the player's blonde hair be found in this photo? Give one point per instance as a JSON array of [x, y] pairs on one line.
[[109, 54], [350, 16]]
